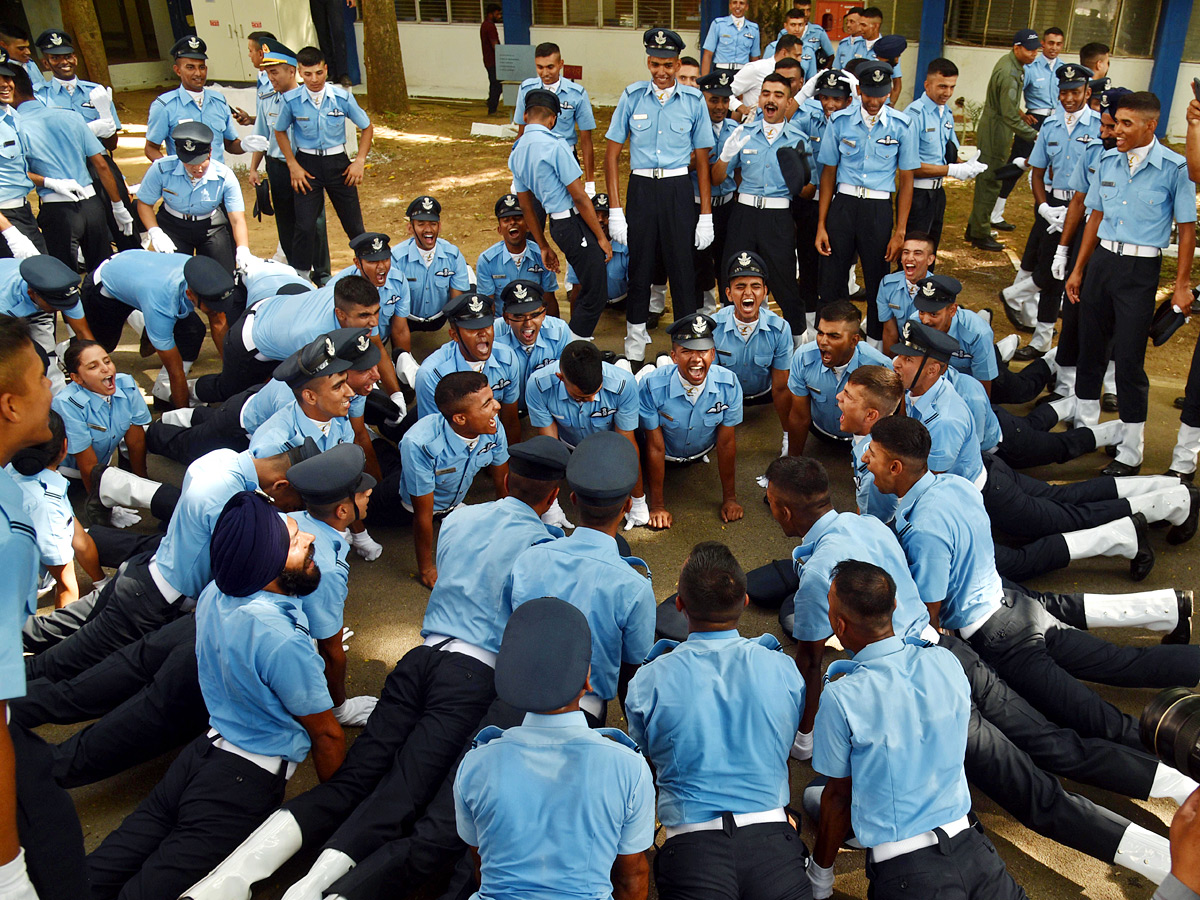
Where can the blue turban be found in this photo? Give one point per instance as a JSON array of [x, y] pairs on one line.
[[249, 546]]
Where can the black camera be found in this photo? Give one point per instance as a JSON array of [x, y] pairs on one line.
[[1170, 729]]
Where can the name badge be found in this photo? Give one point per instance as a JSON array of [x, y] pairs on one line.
[[663, 415], [449, 471], [1108, 184], [97, 427], [814, 390], [749, 152], [849, 141], [641, 116]]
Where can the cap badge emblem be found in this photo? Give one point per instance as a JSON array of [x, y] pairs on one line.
[[520, 292], [329, 348], [660, 38], [1068, 73], [877, 76], [189, 145], [377, 244], [928, 289], [510, 200], [907, 330], [698, 326], [363, 343], [427, 203], [744, 259], [475, 305], [193, 43], [56, 39]]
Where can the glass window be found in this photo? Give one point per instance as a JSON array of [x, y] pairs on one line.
[[466, 11], [433, 10], [547, 12], [653, 13], [1191, 44], [406, 10], [583, 12], [617, 13], [1126, 25], [686, 16]]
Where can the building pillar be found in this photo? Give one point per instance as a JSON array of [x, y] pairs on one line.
[[709, 10], [1168, 55], [933, 30], [518, 16]]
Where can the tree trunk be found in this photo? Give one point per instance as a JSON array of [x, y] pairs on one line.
[[387, 90], [79, 19]]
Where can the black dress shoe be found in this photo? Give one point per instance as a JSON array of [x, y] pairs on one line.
[[1028, 353], [1185, 531], [1118, 469], [1143, 560], [1108, 403], [1003, 226], [1111, 450], [95, 510], [1179, 402], [1012, 316], [1184, 477], [652, 321], [1182, 633], [1048, 398], [988, 243]]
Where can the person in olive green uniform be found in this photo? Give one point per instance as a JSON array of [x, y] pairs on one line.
[[1000, 121]]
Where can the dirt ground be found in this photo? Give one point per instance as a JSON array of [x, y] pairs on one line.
[[430, 151]]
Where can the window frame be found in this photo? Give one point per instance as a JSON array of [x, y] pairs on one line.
[[1111, 39]]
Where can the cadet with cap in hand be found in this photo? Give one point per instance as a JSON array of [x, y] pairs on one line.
[[202, 209], [193, 102], [472, 347], [528, 821], [668, 127], [435, 269], [545, 173], [535, 338], [168, 289], [514, 258], [688, 407]]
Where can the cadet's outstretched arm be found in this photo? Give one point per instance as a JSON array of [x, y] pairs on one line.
[[631, 877]]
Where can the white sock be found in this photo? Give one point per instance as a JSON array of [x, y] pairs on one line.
[[1087, 412], [1187, 445], [1155, 610], [1007, 346], [658, 298], [1110, 539], [636, 339], [1144, 852], [1110, 378], [1145, 484], [1064, 407], [1043, 334], [1171, 505], [1107, 432], [121, 488], [180, 417], [998, 210], [1133, 442], [1172, 783]]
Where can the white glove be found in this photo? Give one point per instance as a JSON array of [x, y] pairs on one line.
[[965, 171], [1021, 163], [21, 246], [243, 259], [821, 880], [14, 879], [704, 231], [346, 635], [1055, 216], [406, 368], [122, 217], [366, 546], [618, 230], [255, 143], [355, 711], [639, 513], [101, 98], [736, 141], [123, 517], [979, 167], [783, 450], [160, 242], [555, 516], [802, 746], [102, 128], [68, 187], [1058, 268], [398, 399], [589, 188]]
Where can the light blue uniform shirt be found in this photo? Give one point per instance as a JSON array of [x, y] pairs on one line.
[[18, 600], [174, 107], [284, 324], [495, 270], [266, 281], [810, 118], [168, 179], [99, 422], [467, 602], [438, 461], [716, 717], [259, 671], [752, 359], [429, 286], [14, 171], [840, 536], [394, 298], [14, 293], [551, 804], [1138, 208], [810, 377], [897, 71], [813, 38], [1086, 167], [721, 133], [57, 143], [1041, 84], [58, 94], [947, 537], [587, 571], [935, 127], [987, 426], [1060, 150], [849, 48], [208, 483], [575, 108], [547, 348], [617, 270], [976, 353], [661, 135], [690, 429], [274, 396], [501, 369], [268, 104], [730, 45], [323, 607], [955, 442], [36, 75], [542, 164], [869, 159], [758, 163], [871, 501], [45, 499], [290, 426], [894, 300], [154, 283], [897, 725], [319, 128], [614, 406]]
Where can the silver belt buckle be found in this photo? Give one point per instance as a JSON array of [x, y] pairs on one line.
[[1120, 248], [656, 173], [860, 192], [758, 202]]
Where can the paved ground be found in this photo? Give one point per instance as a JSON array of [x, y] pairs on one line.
[[386, 603]]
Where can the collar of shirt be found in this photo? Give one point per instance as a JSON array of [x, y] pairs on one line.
[[879, 649], [738, 22], [771, 132], [1137, 156], [927, 400], [197, 97], [426, 255], [564, 721], [871, 121], [552, 88], [911, 287], [68, 86], [518, 259], [317, 98], [210, 174], [924, 483], [809, 542], [663, 96], [745, 329], [731, 634], [691, 391], [593, 539], [470, 442]]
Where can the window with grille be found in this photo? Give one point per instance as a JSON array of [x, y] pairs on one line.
[[1127, 26]]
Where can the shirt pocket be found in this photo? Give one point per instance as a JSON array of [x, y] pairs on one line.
[[886, 152], [9, 149], [1152, 198], [641, 125], [713, 419], [1109, 191], [763, 359]]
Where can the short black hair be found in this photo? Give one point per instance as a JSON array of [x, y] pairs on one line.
[[1089, 53], [582, 365], [712, 583], [22, 86], [941, 66], [776, 78], [491, 8], [839, 311], [261, 36], [867, 591], [1142, 102], [787, 42], [530, 491], [787, 62], [796, 13], [1054, 29], [354, 290], [855, 11], [923, 236], [904, 438], [14, 31], [31, 460], [689, 61], [75, 350], [455, 388], [546, 48], [15, 336], [310, 56], [799, 478], [872, 12]]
